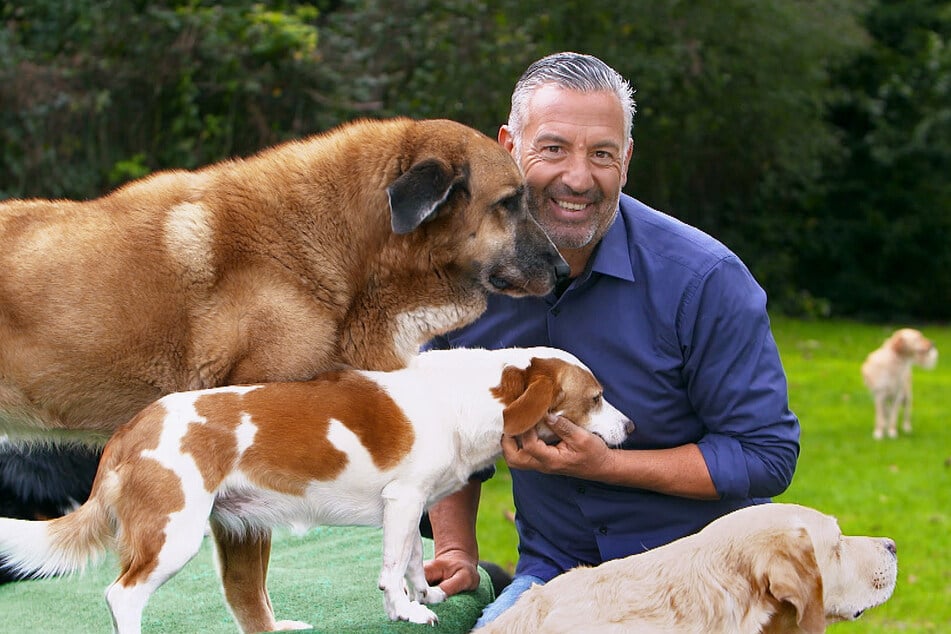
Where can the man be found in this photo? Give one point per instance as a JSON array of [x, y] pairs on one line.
[[670, 321]]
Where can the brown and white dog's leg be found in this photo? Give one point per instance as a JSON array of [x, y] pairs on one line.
[[242, 565], [419, 588], [148, 563], [402, 508]]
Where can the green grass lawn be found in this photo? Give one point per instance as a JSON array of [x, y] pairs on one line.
[[896, 488]]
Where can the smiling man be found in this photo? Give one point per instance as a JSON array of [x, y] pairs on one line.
[[670, 321]]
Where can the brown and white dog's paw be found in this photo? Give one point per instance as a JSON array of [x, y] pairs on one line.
[[418, 613]]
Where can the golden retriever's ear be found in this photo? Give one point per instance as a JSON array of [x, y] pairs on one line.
[[793, 577], [416, 195], [531, 406]]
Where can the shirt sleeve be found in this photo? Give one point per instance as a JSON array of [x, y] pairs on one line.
[[737, 384]]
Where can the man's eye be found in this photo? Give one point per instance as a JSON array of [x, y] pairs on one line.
[[603, 157]]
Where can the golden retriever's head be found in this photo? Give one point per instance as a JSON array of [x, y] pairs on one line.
[[814, 574], [558, 386], [464, 196]]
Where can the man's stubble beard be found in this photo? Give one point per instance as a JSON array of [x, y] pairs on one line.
[[569, 237]]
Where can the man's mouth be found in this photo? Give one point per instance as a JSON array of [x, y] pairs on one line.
[[564, 204]]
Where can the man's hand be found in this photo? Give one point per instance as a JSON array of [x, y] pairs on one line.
[[580, 453], [454, 571]]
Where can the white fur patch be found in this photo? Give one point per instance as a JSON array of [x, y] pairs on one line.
[[411, 323], [346, 441], [188, 238], [245, 433]]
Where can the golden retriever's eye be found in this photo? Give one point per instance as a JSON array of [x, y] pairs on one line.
[[597, 399]]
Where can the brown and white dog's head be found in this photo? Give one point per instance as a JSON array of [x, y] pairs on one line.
[[552, 386], [913, 346], [470, 192], [813, 573]]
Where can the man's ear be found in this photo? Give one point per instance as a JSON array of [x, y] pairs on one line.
[[506, 139]]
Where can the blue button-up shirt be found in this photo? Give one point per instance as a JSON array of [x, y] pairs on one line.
[[675, 327]]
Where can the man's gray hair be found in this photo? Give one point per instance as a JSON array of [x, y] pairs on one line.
[[571, 71]]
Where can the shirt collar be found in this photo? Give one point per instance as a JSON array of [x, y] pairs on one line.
[[613, 255]]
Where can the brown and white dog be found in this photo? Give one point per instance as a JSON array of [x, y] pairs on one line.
[[887, 374], [767, 568], [348, 447], [353, 246]]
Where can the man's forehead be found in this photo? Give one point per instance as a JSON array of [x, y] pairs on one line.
[[567, 116]]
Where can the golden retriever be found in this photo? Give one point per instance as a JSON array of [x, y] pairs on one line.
[[354, 246], [887, 374], [767, 568]]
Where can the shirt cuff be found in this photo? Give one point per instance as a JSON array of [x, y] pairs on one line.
[[726, 463]]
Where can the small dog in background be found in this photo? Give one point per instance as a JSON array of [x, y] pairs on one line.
[[887, 373]]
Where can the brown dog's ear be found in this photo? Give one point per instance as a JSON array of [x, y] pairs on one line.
[[793, 577], [416, 195], [537, 394]]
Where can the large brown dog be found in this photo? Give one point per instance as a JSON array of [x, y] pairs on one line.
[[355, 246]]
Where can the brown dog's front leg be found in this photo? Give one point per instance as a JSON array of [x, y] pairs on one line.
[[242, 565]]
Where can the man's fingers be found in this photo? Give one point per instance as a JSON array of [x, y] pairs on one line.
[[460, 581], [562, 427]]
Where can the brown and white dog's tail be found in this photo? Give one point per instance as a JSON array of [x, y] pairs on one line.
[[58, 546]]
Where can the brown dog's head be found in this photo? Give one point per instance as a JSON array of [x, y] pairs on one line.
[[469, 191], [562, 388]]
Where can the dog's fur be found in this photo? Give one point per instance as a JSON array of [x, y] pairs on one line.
[[42, 482], [887, 374], [354, 246], [767, 568], [348, 447]]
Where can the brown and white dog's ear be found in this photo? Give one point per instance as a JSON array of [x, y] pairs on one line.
[[793, 578], [417, 194], [529, 394]]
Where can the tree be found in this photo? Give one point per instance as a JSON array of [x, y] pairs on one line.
[[878, 244]]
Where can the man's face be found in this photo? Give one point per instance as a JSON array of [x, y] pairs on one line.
[[574, 152]]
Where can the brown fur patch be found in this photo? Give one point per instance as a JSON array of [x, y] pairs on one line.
[[213, 444], [290, 447], [148, 495], [142, 492]]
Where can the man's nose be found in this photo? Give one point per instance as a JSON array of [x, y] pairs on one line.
[[577, 174]]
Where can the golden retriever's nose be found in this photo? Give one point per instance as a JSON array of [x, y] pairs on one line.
[[890, 546]]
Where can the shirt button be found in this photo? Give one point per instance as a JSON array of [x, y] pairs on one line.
[[555, 311], [581, 489], [603, 530]]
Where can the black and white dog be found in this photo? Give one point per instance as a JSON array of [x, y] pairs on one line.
[[42, 482]]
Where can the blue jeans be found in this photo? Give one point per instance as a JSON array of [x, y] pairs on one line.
[[511, 593]]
